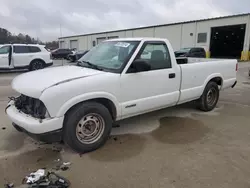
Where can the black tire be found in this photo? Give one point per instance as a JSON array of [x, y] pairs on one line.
[[36, 65], [72, 59], [209, 98], [72, 124]]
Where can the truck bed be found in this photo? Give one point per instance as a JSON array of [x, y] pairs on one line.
[[198, 71]]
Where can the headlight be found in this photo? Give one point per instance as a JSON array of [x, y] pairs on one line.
[[31, 106]]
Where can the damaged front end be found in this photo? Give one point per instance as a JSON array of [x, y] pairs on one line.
[[31, 106]]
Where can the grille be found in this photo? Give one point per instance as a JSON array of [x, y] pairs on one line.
[[31, 106]]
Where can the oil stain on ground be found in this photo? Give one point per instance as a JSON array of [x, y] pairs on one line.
[[172, 130], [14, 169], [119, 148], [177, 130]]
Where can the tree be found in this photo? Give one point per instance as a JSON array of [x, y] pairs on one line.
[[28, 39], [52, 45], [8, 37], [4, 36]]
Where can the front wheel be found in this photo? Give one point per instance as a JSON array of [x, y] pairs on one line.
[[209, 98], [87, 127]]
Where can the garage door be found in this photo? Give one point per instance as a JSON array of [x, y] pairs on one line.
[[227, 41], [74, 44], [99, 40]]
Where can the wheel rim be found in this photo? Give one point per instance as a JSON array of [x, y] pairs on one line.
[[211, 96], [90, 128], [37, 65]]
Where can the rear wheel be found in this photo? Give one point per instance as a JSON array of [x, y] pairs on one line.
[[36, 65], [209, 98], [87, 127], [71, 58]]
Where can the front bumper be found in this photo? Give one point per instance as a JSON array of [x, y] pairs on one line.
[[49, 137], [32, 126]]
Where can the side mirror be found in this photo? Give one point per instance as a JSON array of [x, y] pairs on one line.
[[140, 65]]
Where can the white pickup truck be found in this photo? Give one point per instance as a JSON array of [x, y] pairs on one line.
[[117, 79]]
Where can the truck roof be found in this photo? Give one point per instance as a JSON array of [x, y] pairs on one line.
[[137, 39]]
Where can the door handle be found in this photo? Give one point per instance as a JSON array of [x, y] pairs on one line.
[[172, 75]]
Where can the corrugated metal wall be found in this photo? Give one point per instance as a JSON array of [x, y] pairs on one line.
[[180, 35]]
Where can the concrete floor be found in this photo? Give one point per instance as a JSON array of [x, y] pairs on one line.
[[175, 147]]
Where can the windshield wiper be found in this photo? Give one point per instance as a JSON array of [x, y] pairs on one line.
[[90, 65]]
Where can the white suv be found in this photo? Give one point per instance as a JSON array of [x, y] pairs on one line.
[[24, 56]]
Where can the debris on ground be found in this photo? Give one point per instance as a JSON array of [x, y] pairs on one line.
[[80, 155], [56, 149], [38, 179], [67, 163], [61, 166], [10, 185], [35, 176], [3, 128], [115, 138], [65, 166]]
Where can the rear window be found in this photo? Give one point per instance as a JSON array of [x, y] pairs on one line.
[[34, 49]]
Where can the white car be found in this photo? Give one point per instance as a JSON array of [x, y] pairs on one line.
[[24, 56], [115, 80]]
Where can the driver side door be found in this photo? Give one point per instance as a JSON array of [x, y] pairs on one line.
[[4, 56], [157, 88]]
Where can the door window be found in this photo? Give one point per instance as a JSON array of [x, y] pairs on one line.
[[21, 49], [4, 49], [157, 55]]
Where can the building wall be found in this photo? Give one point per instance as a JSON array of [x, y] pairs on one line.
[[120, 34], [188, 32], [128, 33], [149, 32], [205, 26], [172, 33], [180, 35]]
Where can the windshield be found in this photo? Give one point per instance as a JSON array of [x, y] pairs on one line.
[[110, 55], [184, 50]]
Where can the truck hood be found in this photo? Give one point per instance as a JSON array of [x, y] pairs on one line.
[[34, 83]]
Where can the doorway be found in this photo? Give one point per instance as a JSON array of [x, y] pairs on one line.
[[227, 41]]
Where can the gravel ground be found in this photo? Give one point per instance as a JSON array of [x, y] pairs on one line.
[[175, 147]]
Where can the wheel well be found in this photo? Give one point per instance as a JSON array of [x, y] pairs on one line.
[[105, 102], [217, 80], [37, 59]]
